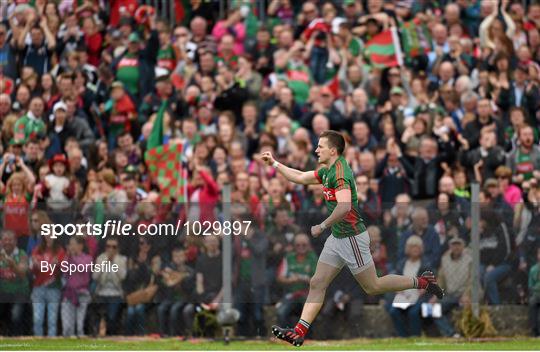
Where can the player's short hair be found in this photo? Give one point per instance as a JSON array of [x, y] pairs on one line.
[[335, 140]]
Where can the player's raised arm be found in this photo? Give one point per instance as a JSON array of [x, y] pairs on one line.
[[293, 175]]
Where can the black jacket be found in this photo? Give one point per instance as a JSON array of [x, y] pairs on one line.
[[425, 175], [472, 130], [391, 182]]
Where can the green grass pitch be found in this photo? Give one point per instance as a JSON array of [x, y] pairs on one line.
[[148, 344]]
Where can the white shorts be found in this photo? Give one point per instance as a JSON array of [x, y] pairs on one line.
[[353, 251]]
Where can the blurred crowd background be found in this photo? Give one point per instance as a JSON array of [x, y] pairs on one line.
[[431, 95]]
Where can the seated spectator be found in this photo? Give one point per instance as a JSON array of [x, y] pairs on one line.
[[495, 251], [455, 278], [404, 307], [294, 274], [208, 284], [396, 222], [46, 293], [14, 284], [176, 289], [108, 294], [76, 293], [421, 228], [139, 277]]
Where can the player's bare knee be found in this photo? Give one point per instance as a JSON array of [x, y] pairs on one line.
[[371, 288], [317, 283]]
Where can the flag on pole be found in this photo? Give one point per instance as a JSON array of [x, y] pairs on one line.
[[166, 170], [382, 50], [416, 39], [165, 162], [156, 136]]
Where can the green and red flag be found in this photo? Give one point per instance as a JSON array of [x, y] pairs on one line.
[[165, 168], [165, 163], [415, 37], [383, 50]]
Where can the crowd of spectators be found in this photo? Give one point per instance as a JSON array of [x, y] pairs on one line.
[[81, 83]]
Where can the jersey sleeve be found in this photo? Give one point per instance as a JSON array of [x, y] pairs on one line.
[[319, 174], [342, 177]]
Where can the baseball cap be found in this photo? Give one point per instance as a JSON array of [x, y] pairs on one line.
[[396, 90], [490, 182], [134, 38], [349, 2], [58, 158], [59, 105]]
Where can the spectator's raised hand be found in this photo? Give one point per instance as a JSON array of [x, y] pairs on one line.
[[464, 142]]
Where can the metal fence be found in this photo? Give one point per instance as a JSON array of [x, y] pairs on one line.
[[175, 282]]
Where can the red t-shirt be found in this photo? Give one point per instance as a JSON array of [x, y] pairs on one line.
[[16, 215]]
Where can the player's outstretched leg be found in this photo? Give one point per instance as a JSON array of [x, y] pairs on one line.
[[374, 285], [324, 274]]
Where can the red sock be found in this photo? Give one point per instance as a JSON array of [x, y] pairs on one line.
[[421, 283], [302, 327]]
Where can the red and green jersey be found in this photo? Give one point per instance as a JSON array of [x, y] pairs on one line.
[[27, 126], [166, 58], [299, 79], [128, 73], [524, 165], [340, 176]]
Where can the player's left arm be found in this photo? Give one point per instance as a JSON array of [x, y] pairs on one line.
[[343, 207]]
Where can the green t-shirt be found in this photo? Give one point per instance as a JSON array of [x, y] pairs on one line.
[[166, 58], [293, 264], [128, 73], [25, 126], [524, 165], [10, 283], [299, 79], [340, 176]]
